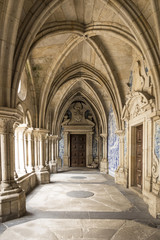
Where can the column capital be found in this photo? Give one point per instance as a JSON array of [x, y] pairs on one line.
[[8, 116], [30, 130], [40, 132], [53, 137], [120, 133], [22, 128], [104, 135]]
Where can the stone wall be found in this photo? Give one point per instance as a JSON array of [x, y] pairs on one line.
[[28, 182]]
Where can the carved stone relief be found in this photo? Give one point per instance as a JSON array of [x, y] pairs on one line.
[[137, 104], [78, 110], [140, 79]]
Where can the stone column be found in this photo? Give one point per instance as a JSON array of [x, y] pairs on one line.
[[42, 170], [35, 149], [25, 150], [104, 162], [47, 151], [21, 146], [53, 161], [119, 173], [17, 165], [12, 198], [66, 154], [50, 147], [30, 150]]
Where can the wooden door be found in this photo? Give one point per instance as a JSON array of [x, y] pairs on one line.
[[139, 155], [78, 150]]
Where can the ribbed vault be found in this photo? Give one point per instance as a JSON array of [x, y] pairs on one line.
[[123, 13]]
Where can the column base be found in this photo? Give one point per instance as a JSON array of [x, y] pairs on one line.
[[104, 166], [153, 202], [43, 177], [53, 167], [12, 204], [59, 162], [120, 176], [65, 161]]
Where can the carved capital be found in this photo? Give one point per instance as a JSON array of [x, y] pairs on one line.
[[8, 117], [104, 136]]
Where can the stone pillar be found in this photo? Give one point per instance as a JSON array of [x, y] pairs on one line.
[[21, 146], [12, 198], [17, 165], [30, 150], [119, 173], [42, 170], [35, 149], [47, 151], [25, 150], [104, 162], [66, 153], [50, 147], [53, 161]]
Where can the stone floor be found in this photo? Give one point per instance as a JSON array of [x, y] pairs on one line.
[[82, 204]]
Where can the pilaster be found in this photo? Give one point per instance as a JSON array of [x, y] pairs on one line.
[[104, 161], [119, 173]]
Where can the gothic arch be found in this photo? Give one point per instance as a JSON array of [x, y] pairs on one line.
[[86, 92], [126, 12]]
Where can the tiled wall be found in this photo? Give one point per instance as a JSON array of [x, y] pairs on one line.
[[113, 143], [61, 146], [157, 140]]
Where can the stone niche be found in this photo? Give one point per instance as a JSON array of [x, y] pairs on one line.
[[76, 123]]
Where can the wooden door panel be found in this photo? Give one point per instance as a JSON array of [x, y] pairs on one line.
[[78, 150], [139, 155]]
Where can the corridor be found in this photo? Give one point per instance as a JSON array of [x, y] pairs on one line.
[[82, 204]]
